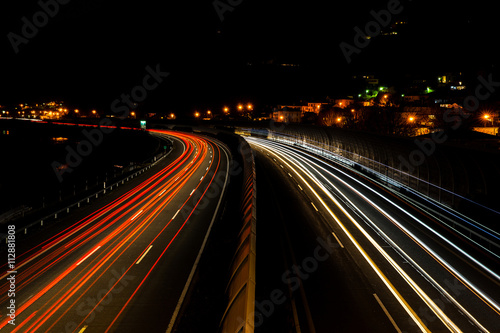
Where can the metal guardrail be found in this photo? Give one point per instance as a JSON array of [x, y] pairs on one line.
[[469, 233], [78, 204], [443, 176]]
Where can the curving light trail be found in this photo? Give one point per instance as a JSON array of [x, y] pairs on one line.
[[322, 180], [56, 275]]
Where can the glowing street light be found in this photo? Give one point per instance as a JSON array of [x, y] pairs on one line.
[[250, 106], [196, 114], [240, 107], [226, 109], [411, 119], [172, 116], [132, 114], [487, 117]]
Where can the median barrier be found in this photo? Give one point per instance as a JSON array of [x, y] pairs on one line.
[[240, 291]]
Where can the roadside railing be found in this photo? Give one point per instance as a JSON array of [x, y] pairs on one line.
[[487, 239], [86, 200]]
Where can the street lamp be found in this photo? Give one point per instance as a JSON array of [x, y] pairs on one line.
[[240, 107], [226, 109], [196, 114], [250, 106], [488, 117]]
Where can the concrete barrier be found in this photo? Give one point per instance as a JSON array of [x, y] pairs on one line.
[[240, 292]]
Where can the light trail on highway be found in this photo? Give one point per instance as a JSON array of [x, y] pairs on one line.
[[94, 273], [443, 281]]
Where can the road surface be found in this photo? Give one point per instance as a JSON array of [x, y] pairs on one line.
[[124, 267], [359, 256]]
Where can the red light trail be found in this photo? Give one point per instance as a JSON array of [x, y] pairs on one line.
[[55, 276]]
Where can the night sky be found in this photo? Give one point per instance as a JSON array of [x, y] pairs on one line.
[[92, 51]]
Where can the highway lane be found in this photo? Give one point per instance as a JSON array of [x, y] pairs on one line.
[[126, 266], [293, 246], [434, 279]]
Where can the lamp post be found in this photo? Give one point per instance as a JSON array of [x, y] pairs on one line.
[[487, 117]]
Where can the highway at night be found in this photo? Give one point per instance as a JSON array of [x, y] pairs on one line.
[[126, 264], [368, 257]]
